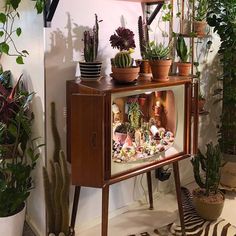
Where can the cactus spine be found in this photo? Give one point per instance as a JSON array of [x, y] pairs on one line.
[[56, 188], [211, 165], [123, 59]]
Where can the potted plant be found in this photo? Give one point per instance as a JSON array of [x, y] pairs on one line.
[[145, 69], [10, 31], [90, 69], [183, 65], [199, 23], [208, 199], [226, 29], [158, 56], [18, 159], [123, 70]]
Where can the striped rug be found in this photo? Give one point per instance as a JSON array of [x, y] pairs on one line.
[[196, 226]]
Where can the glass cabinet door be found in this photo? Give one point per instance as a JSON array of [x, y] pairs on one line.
[[147, 126]]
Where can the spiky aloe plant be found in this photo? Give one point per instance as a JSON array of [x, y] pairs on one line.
[[181, 49], [210, 164], [157, 51]]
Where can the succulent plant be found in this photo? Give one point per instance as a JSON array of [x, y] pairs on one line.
[[155, 51], [181, 49], [211, 165], [123, 39]]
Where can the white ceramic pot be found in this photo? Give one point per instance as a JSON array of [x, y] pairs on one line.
[[12, 225]]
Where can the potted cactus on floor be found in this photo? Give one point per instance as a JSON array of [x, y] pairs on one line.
[[90, 69], [158, 56], [123, 70], [183, 65], [208, 199]]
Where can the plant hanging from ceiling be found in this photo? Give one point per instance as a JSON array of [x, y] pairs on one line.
[[9, 16]]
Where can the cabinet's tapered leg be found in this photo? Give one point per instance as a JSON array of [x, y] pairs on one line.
[[149, 183], [74, 209], [105, 206], [179, 198]]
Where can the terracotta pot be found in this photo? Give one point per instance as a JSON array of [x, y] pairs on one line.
[[120, 137], [186, 27], [207, 208], [199, 27], [184, 68], [160, 70], [145, 67], [125, 75]]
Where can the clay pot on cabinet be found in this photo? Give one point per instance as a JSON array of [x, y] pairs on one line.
[[199, 27], [145, 68], [160, 70], [184, 68], [125, 75], [208, 207]]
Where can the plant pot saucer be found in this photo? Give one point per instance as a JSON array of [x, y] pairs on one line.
[[90, 79]]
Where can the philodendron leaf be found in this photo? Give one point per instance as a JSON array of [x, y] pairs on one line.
[[1, 33], [3, 18], [39, 6], [4, 47], [19, 60], [14, 3], [18, 31]]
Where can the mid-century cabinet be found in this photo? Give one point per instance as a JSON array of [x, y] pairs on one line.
[[162, 135]]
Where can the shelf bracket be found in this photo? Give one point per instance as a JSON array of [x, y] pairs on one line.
[[50, 8], [155, 12]]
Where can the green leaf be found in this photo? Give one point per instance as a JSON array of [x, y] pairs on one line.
[[39, 6], [4, 47], [25, 52], [14, 3], [1, 33], [18, 31], [3, 18], [19, 60]]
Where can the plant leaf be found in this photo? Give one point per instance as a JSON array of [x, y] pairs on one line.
[[19, 60], [1, 33], [18, 31], [3, 18], [4, 47]]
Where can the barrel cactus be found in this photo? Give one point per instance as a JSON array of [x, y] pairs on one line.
[[123, 59]]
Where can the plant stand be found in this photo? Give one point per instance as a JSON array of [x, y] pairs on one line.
[[105, 202]]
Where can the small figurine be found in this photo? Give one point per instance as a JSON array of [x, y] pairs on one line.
[[116, 113]]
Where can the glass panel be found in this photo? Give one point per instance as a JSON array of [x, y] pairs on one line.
[[148, 125]]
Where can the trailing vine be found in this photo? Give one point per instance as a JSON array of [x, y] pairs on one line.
[[222, 17], [8, 31]]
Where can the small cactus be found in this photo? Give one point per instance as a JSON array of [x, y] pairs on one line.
[[181, 49], [211, 165], [123, 59], [143, 37]]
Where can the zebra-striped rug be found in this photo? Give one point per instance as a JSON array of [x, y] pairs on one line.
[[196, 226]]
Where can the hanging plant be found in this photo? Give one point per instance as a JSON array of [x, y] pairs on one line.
[[9, 15]]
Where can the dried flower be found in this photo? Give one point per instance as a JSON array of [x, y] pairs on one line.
[[123, 39]]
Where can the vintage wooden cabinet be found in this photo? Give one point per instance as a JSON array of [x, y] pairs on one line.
[[156, 117]]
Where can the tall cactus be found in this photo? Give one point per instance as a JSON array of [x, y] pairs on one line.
[[56, 189], [143, 37], [210, 164], [91, 42]]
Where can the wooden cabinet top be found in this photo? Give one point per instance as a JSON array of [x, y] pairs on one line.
[[107, 84]]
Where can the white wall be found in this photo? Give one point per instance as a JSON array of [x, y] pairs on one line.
[[32, 39]]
